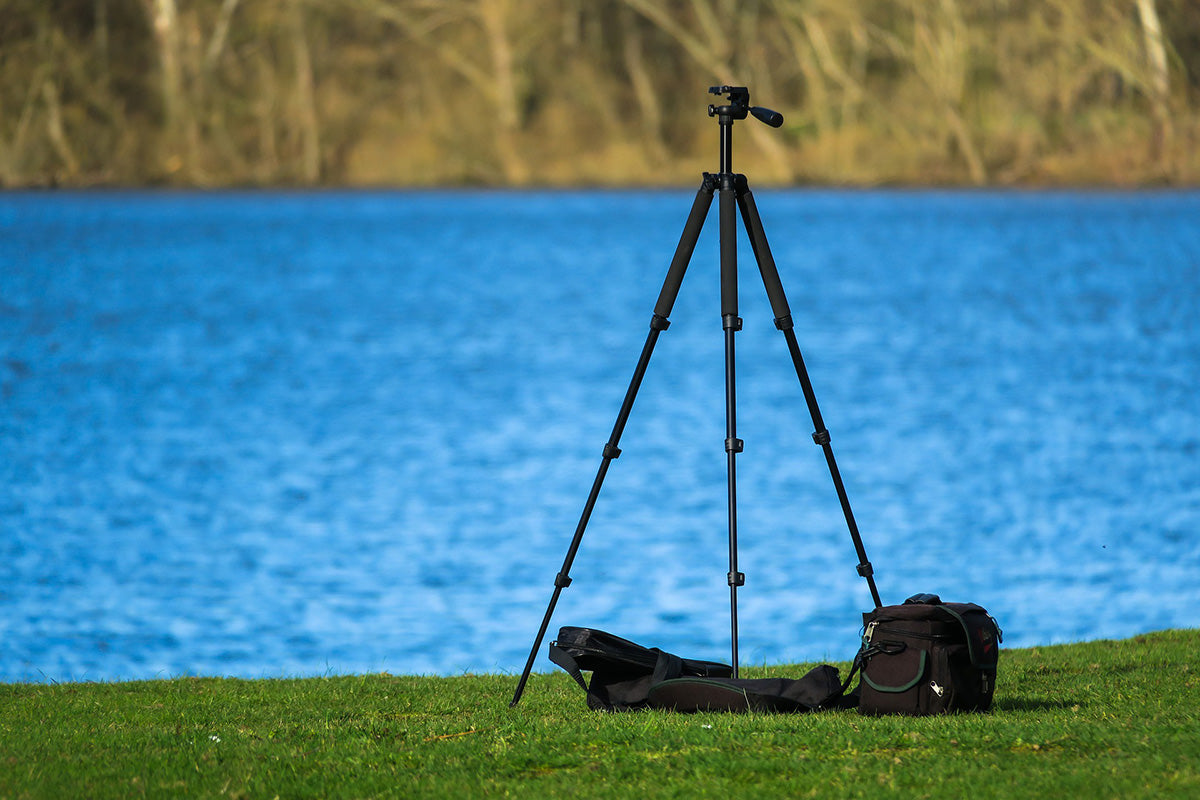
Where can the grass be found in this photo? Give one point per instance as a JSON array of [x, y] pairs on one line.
[[1101, 719]]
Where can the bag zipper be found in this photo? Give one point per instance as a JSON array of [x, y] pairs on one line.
[[892, 631]]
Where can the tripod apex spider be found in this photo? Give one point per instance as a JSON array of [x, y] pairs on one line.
[[733, 190]]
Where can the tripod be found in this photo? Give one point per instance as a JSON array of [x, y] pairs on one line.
[[732, 190]]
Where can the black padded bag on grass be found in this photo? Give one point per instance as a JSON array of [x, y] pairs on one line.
[[627, 677], [820, 688], [622, 671], [928, 657]]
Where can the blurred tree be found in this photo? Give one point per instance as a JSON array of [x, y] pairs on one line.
[[475, 40], [200, 92], [712, 34]]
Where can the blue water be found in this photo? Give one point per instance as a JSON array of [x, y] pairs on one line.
[[271, 434]]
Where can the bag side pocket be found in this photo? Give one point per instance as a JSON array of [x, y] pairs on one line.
[[892, 680]]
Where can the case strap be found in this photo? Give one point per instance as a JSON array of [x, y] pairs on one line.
[[666, 666], [563, 659]]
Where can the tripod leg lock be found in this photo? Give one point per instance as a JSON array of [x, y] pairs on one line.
[[611, 450], [732, 322], [734, 445], [736, 578], [562, 580], [821, 437], [784, 323], [865, 569], [659, 323]]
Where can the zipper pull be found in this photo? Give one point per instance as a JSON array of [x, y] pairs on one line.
[[869, 632]]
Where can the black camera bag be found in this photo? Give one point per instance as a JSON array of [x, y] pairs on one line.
[[928, 657]]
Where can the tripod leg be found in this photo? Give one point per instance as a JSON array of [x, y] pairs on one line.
[[783, 321], [733, 445], [658, 323]]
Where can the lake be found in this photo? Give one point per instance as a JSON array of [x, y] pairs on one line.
[[269, 434]]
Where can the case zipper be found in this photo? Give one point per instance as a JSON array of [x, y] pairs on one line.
[[927, 636]]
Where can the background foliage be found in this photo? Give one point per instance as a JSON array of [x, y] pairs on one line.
[[512, 92]]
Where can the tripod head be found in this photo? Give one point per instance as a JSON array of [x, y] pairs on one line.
[[739, 106]]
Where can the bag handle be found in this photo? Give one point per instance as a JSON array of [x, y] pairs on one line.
[[563, 659], [666, 666]]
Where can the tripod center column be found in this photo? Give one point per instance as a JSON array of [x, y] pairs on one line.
[[726, 125], [731, 323], [727, 201]]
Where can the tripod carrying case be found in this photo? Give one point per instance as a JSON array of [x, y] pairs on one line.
[[622, 671], [627, 677], [928, 657]]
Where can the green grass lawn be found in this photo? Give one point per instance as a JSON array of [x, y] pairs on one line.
[[1095, 720]]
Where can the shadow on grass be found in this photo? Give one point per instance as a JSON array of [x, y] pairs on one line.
[[1030, 704]]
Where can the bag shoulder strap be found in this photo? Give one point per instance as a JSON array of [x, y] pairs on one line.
[[563, 659]]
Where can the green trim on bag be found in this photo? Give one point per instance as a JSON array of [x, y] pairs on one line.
[[905, 687]]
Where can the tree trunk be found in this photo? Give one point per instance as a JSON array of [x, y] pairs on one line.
[[100, 17], [310, 137], [55, 131], [216, 42], [1160, 87], [493, 14], [164, 20], [643, 87], [12, 153], [939, 55], [966, 145]]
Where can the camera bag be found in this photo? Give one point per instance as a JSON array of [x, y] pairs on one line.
[[928, 657], [622, 671]]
